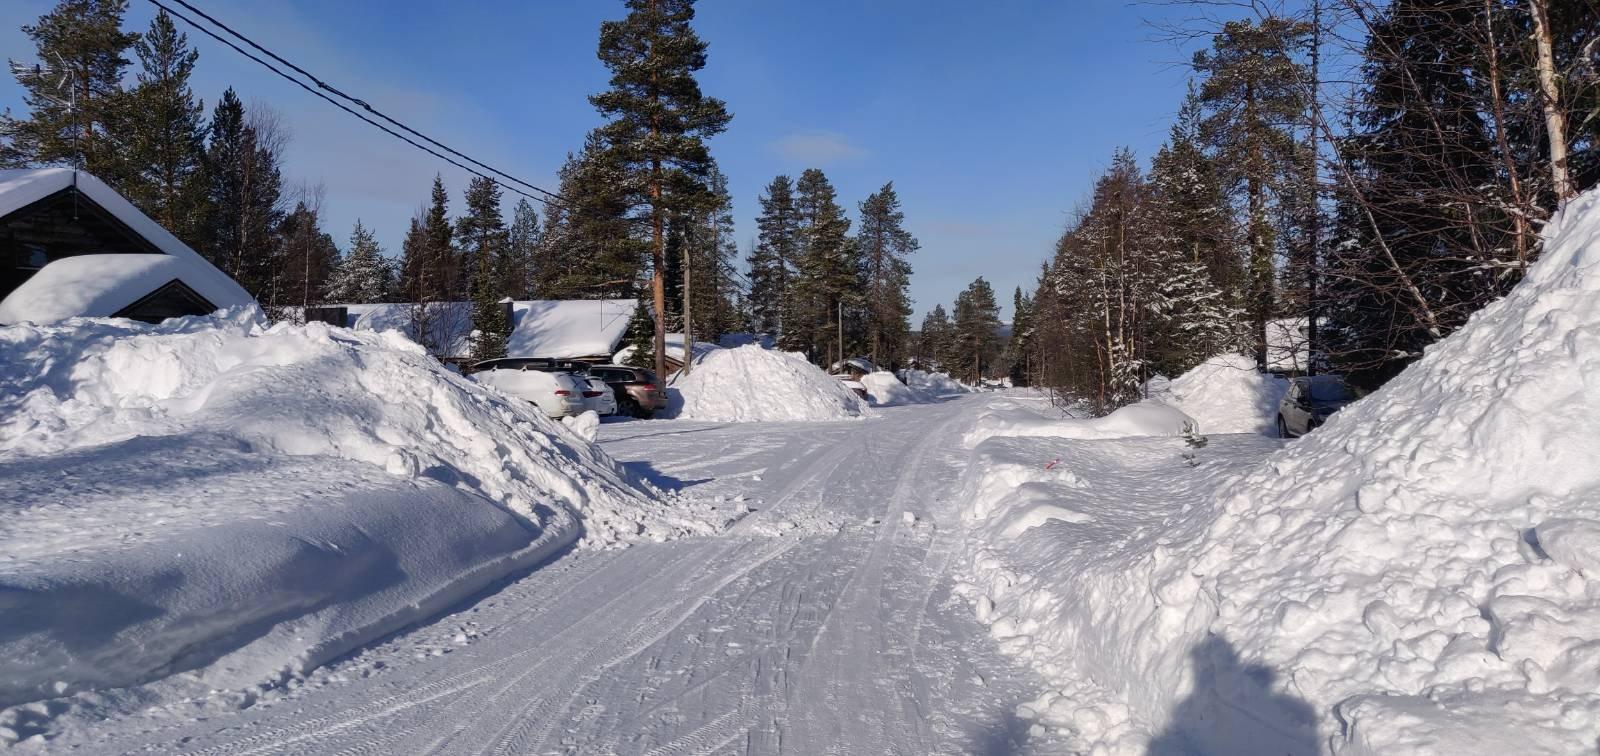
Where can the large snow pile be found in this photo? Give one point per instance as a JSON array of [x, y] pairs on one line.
[[211, 494], [1147, 418], [1225, 394], [937, 384], [884, 390], [751, 384], [1419, 575]]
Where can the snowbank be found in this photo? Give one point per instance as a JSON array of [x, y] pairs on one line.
[[938, 384], [886, 390], [1416, 576], [1147, 418], [751, 384], [1225, 394], [248, 502]]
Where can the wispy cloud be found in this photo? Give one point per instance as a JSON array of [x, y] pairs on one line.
[[817, 148]]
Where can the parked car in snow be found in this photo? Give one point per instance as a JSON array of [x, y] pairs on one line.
[[599, 397], [556, 390], [638, 391], [1310, 401]]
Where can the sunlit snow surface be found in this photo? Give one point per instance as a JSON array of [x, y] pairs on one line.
[[1416, 576]]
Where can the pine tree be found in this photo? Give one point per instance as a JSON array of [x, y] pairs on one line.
[[977, 319], [305, 261], [884, 244], [87, 116], [525, 268], [362, 274], [827, 277], [935, 344], [658, 120], [773, 258], [590, 247], [167, 133], [1019, 347], [481, 237], [1253, 90]]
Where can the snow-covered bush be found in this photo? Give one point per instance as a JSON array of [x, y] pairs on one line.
[[751, 384]]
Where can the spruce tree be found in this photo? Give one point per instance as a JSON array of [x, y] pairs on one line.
[[362, 274], [1019, 347], [166, 134], [883, 244], [243, 190], [442, 257], [773, 258], [87, 116], [658, 120]]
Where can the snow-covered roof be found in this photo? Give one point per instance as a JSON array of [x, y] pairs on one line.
[[547, 328], [99, 286], [568, 328], [674, 349], [102, 284], [23, 187]]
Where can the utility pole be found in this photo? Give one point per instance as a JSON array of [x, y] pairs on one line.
[[688, 310], [841, 329]]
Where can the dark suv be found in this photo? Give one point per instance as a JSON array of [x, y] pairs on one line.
[[639, 392], [1310, 401]]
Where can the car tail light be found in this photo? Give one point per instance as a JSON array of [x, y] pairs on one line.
[[590, 394], [563, 392], [649, 387]]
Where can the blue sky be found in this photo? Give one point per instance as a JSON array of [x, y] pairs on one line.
[[991, 118]]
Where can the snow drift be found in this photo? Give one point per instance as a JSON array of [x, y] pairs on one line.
[[751, 384], [937, 384], [1145, 418], [1416, 576], [1225, 394], [211, 494]]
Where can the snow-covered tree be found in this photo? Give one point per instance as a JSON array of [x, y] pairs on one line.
[[363, 274]]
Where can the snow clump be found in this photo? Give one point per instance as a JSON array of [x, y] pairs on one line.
[[1225, 394]]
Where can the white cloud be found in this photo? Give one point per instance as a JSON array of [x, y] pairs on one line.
[[817, 148]]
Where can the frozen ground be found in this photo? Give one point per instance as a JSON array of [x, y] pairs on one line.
[[823, 622]]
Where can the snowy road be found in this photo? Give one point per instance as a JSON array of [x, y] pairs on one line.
[[822, 623]]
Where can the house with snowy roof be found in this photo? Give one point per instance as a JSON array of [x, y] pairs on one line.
[[587, 330], [70, 246]]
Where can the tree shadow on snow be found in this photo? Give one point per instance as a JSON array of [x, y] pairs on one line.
[[1234, 710], [659, 479]]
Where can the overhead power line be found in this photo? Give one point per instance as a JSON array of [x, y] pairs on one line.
[[541, 195]]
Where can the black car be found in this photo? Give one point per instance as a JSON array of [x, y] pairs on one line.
[[1310, 401]]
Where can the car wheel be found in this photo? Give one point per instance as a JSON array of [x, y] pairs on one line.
[[1283, 428]]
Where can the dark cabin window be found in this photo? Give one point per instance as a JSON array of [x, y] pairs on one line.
[[172, 300], [62, 225]]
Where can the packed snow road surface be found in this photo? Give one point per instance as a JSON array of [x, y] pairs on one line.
[[823, 622]]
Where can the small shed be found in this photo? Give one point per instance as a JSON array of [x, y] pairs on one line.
[[70, 246]]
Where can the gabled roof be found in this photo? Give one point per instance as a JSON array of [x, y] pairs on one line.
[[100, 285]]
